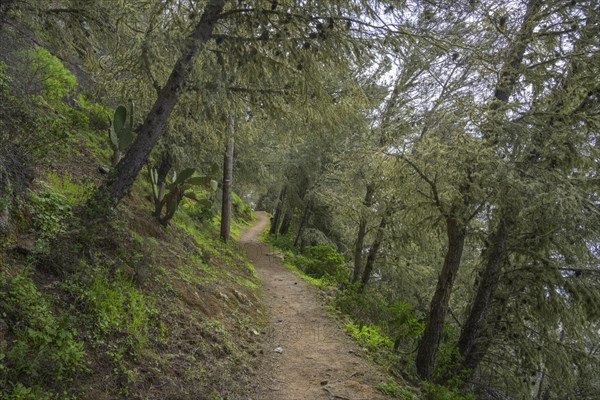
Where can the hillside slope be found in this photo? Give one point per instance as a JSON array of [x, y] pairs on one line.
[[147, 312], [120, 308]]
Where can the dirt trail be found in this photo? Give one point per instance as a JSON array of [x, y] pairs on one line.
[[306, 354]]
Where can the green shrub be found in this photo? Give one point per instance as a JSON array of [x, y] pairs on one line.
[[241, 209], [448, 363], [45, 348], [74, 193], [391, 388], [32, 106], [118, 307], [53, 208], [22, 392], [369, 336], [370, 306], [51, 212], [324, 260], [404, 323], [57, 81], [75, 119], [283, 242], [97, 114], [202, 212], [439, 392]]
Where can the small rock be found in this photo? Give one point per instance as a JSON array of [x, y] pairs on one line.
[[278, 349], [254, 332], [103, 169]]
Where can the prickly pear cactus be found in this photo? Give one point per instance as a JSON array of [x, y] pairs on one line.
[[180, 187], [121, 132]]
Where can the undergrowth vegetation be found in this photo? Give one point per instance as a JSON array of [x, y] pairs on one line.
[[113, 309], [321, 262], [44, 347], [110, 309], [388, 333]]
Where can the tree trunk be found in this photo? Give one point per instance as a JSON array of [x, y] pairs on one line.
[[373, 251], [285, 224], [227, 181], [120, 182], [472, 343], [303, 223], [360, 235], [510, 72], [428, 347], [278, 211]]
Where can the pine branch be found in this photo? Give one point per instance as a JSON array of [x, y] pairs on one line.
[[258, 90], [432, 185]]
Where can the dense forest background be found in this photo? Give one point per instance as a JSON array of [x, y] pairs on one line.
[[435, 163]]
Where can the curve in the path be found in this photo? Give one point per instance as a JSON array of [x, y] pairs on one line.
[[306, 354]]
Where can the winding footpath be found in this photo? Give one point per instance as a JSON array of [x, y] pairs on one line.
[[306, 354]]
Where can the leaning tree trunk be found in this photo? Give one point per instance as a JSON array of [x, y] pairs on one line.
[[428, 346], [472, 343], [511, 69], [360, 235], [373, 251], [278, 211], [120, 182], [227, 181]]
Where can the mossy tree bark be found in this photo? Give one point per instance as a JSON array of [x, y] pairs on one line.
[[428, 347], [361, 233], [473, 343]]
